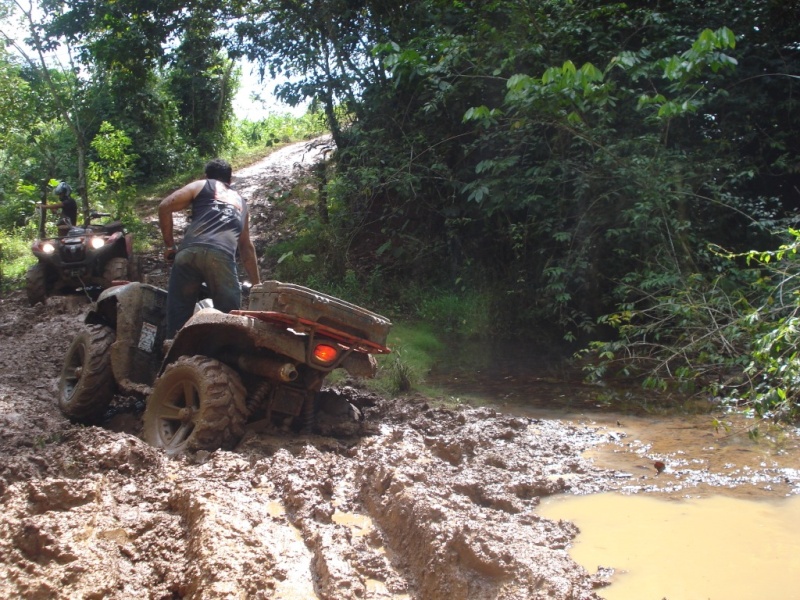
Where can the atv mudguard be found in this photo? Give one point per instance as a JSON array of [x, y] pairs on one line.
[[229, 337], [137, 312]]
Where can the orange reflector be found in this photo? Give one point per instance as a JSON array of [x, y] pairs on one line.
[[325, 353]]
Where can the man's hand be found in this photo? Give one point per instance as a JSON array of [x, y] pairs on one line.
[[169, 254]]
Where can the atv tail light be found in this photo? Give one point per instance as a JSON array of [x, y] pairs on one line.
[[48, 248], [325, 353], [97, 242]]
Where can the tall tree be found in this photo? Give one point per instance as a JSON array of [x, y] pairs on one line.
[[67, 92], [203, 82], [323, 48], [131, 45]]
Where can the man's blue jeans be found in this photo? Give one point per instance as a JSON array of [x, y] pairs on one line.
[[192, 267]]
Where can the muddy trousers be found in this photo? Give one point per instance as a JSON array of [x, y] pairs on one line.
[[194, 266]]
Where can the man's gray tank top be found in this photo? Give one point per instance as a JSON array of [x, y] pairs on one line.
[[218, 217]]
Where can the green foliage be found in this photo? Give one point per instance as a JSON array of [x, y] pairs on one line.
[[18, 206], [275, 129], [110, 176], [466, 313], [15, 256], [34, 144], [203, 81], [734, 337], [414, 349], [774, 369]]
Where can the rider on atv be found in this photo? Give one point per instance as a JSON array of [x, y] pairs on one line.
[[68, 206]]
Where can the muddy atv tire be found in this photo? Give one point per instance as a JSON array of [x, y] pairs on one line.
[[87, 381], [197, 404], [36, 284], [116, 270]]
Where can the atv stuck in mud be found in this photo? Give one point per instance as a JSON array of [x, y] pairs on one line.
[[84, 259], [221, 371]]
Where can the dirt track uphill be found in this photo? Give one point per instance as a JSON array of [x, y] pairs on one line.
[[419, 503]]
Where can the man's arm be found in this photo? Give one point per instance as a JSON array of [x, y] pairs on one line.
[[248, 253], [176, 201]]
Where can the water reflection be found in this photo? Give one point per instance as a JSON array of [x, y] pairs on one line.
[[516, 373]]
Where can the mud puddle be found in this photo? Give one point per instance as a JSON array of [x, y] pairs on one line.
[[710, 548], [721, 519], [707, 505]]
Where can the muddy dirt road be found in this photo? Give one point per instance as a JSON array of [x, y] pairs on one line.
[[434, 504], [431, 504]]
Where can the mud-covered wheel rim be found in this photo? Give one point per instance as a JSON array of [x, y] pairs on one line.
[[36, 285], [116, 270], [86, 386], [198, 403]]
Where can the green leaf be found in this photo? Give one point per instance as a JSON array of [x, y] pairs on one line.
[[519, 83]]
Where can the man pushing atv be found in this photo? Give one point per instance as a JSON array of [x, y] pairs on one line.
[[219, 228], [208, 372]]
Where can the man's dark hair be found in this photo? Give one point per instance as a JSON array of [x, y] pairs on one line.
[[219, 169]]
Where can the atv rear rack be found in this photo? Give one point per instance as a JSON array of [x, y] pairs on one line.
[[306, 326]]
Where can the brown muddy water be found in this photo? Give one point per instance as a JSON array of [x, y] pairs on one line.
[[708, 505], [699, 548]]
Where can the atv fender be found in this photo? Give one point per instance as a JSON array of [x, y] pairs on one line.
[[104, 309], [219, 335], [360, 364], [127, 297], [229, 337], [136, 311]]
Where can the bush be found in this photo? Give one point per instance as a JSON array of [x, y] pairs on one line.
[[733, 337], [15, 256], [467, 313]]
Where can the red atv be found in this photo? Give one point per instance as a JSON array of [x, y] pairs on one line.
[[84, 259]]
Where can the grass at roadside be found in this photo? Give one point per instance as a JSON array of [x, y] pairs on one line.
[[15, 258], [414, 350]]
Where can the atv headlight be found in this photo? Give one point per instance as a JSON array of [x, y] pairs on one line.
[[48, 248], [97, 242]]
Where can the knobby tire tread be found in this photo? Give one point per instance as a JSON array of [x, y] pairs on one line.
[[36, 284], [222, 415], [95, 388]]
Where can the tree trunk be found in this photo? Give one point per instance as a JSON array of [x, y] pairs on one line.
[[321, 172], [83, 184]]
